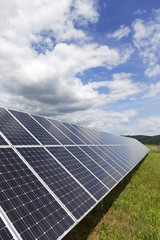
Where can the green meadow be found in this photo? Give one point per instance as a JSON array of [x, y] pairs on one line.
[[131, 210]]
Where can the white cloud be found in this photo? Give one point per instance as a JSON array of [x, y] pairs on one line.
[[49, 80], [109, 121], [146, 39], [120, 88], [139, 12], [149, 125], [154, 89], [123, 31]]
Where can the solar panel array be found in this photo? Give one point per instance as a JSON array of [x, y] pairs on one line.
[[53, 173]]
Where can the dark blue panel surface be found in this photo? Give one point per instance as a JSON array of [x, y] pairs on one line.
[[2, 141], [4, 232], [106, 166], [41, 134], [77, 133], [92, 166], [73, 196], [85, 134], [67, 132], [109, 150], [96, 188], [109, 158], [15, 133], [54, 131], [29, 206]]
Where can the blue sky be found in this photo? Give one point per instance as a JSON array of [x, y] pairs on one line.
[[89, 62]]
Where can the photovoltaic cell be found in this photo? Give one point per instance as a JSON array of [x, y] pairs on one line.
[[2, 141], [119, 160], [109, 158], [73, 196], [53, 130], [4, 232], [67, 132], [106, 166], [46, 191], [15, 133], [85, 134], [92, 166], [97, 189], [41, 134], [77, 133], [30, 207]]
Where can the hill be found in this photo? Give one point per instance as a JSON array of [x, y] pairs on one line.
[[153, 140]]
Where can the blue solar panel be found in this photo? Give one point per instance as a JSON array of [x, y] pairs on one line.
[[67, 132], [75, 198], [4, 232], [42, 135], [15, 133], [77, 133], [54, 131], [30, 207], [93, 166], [104, 164], [85, 134], [2, 141], [110, 158], [97, 189], [56, 173]]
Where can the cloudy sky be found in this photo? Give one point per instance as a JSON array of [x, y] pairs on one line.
[[89, 62]]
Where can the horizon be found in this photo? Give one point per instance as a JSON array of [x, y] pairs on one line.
[[92, 63]]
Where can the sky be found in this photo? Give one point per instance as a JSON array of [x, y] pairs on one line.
[[88, 62]]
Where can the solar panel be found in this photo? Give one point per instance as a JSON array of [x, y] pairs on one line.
[[13, 131], [30, 207], [79, 171], [53, 173], [4, 232], [54, 131], [72, 195], [42, 135], [2, 141]]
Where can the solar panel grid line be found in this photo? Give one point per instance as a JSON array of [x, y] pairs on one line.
[[78, 128], [94, 135], [9, 225], [98, 164], [45, 185], [60, 130], [34, 128], [24, 187], [127, 155], [71, 174], [88, 169], [79, 171], [106, 161], [114, 186], [53, 130], [88, 135], [73, 134], [32, 116], [119, 153], [116, 163], [5, 138], [73, 130], [4, 231], [13, 130], [67, 132], [23, 127]]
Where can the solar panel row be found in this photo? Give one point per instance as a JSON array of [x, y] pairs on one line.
[[53, 173]]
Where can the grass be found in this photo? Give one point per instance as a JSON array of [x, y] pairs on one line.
[[131, 211]]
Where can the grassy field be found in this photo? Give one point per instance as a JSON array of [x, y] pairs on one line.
[[131, 211]]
